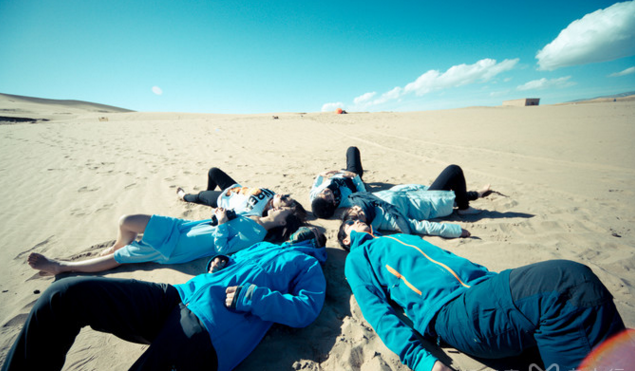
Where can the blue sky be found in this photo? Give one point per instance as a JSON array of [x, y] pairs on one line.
[[311, 56]]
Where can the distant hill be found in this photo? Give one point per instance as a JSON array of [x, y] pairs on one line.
[[17, 108], [615, 96]]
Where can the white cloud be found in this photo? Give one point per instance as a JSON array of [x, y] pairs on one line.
[[364, 98], [433, 80], [327, 107], [627, 71], [601, 36], [543, 83], [157, 90], [456, 76], [389, 95]]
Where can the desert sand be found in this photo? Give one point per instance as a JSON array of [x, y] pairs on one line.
[[565, 173]]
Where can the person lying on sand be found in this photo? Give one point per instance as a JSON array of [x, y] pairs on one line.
[[169, 240], [243, 200], [559, 306], [406, 208], [331, 189], [324, 199], [211, 322]]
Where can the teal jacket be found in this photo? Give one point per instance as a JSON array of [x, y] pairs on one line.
[[417, 276], [279, 283]]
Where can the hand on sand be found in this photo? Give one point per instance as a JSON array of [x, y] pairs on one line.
[[44, 264], [485, 191]]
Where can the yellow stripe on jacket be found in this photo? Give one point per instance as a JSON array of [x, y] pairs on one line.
[[432, 260], [398, 275]]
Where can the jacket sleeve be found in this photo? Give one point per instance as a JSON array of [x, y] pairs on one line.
[[389, 222], [297, 308], [359, 184], [228, 239], [396, 335], [447, 230]]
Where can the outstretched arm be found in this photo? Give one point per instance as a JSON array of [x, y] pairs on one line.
[[297, 308], [447, 230], [328, 173]]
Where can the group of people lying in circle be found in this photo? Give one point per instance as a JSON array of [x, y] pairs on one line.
[[254, 279]]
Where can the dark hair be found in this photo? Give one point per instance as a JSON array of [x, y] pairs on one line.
[[341, 235], [282, 233], [306, 233], [322, 208], [298, 210]]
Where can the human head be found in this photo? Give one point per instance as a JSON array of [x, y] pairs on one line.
[[344, 233], [285, 201], [355, 213], [287, 222], [323, 208], [308, 232], [327, 194]]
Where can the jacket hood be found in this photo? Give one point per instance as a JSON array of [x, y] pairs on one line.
[[308, 247]]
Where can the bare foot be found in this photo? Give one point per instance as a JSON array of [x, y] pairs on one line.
[[180, 193], [469, 211], [485, 191], [42, 263]]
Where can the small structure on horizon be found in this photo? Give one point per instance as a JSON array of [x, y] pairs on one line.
[[522, 102]]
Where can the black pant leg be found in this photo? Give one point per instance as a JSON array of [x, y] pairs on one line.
[[132, 310], [209, 198], [218, 178], [452, 179], [354, 161], [182, 344]]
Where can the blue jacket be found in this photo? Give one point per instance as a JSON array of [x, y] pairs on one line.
[[419, 205], [280, 283], [417, 276]]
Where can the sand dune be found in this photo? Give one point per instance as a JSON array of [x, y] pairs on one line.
[[566, 175]]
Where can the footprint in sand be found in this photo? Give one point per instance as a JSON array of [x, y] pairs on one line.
[[37, 246], [78, 212], [86, 189], [104, 207]]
